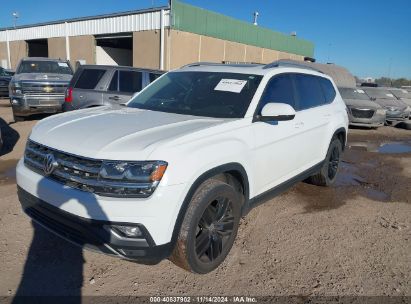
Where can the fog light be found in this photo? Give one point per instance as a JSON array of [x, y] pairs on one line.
[[128, 231], [15, 102]]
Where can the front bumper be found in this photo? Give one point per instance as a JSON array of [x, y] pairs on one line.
[[93, 234], [157, 213], [377, 120], [27, 105]]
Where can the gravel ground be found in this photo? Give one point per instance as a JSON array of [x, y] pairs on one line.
[[351, 239]]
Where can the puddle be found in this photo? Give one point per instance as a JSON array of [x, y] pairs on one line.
[[383, 148], [377, 195], [393, 148], [347, 176], [8, 171]]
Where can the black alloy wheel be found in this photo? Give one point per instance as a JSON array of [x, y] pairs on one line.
[[214, 230]]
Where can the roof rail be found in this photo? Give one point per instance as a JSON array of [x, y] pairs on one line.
[[194, 64], [224, 63], [290, 63]]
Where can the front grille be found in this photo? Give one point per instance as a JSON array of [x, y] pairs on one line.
[[362, 113], [71, 170], [79, 172], [44, 89]]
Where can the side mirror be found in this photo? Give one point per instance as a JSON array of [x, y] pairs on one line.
[[276, 112]]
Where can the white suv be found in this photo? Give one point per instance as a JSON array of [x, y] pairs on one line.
[[170, 174]]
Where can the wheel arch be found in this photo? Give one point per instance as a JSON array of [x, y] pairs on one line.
[[341, 134], [235, 170]]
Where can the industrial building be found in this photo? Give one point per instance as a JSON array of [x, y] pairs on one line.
[[158, 38]]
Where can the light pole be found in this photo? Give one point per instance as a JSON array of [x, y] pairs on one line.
[[15, 17]]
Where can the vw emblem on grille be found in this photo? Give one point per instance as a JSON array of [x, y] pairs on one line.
[[49, 164]]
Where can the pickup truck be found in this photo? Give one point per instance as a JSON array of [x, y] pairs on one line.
[[38, 86]]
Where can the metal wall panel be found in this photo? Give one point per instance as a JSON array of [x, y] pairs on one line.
[[105, 25], [192, 19]]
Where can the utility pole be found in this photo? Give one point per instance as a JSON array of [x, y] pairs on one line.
[[15, 17]]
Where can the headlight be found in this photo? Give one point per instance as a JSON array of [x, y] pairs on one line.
[[131, 178], [391, 108], [15, 88]]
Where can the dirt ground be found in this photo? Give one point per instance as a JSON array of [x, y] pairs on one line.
[[351, 239]]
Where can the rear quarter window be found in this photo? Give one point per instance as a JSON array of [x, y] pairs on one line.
[[89, 78], [328, 89]]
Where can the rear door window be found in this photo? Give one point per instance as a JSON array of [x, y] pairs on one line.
[[309, 91], [89, 78], [130, 81], [279, 89]]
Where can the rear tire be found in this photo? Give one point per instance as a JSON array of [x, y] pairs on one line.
[[328, 173], [209, 227]]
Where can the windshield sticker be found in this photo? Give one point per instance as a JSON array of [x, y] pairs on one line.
[[230, 85], [360, 91], [63, 64], [390, 95]]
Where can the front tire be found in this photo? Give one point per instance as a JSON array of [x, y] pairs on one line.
[[209, 227], [328, 173]]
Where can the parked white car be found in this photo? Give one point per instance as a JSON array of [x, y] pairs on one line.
[[170, 175]]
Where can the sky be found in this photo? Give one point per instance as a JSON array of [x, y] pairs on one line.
[[371, 38]]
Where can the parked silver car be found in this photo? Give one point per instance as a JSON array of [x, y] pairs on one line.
[[403, 95], [362, 112], [38, 86], [96, 85], [397, 110]]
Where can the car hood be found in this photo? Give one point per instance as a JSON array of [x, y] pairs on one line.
[[407, 101], [359, 103], [42, 77], [391, 103], [108, 133]]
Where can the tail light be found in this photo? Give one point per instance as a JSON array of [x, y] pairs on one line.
[[69, 95]]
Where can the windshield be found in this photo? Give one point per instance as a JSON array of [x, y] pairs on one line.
[[210, 94], [48, 67], [352, 93], [401, 93], [380, 94]]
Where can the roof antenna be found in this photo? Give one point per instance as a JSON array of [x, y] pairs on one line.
[[255, 18]]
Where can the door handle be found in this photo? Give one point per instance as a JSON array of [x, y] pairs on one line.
[[115, 98], [327, 115]]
